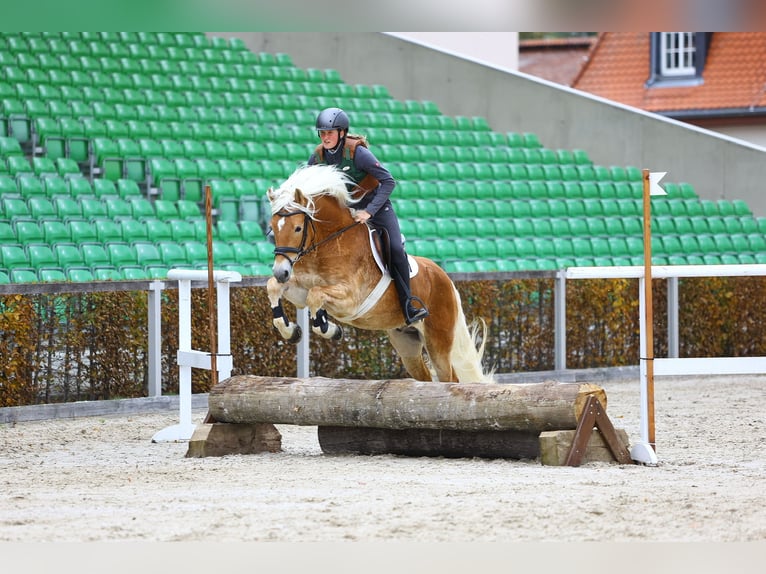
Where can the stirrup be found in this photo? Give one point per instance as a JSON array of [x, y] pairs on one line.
[[413, 314]]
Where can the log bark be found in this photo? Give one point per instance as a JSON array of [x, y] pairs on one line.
[[429, 442], [400, 403]]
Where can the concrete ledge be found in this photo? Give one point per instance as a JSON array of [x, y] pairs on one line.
[[97, 408]]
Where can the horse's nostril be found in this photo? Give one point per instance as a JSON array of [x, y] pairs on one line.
[[281, 275]]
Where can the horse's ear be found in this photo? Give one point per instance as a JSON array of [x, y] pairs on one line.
[[300, 198], [270, 194]]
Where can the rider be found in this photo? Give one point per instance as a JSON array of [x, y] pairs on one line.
[[375, 207]]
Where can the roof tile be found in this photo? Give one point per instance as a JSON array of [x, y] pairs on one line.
[[734, 76]]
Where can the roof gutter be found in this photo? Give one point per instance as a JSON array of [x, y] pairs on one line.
[[723, 113]]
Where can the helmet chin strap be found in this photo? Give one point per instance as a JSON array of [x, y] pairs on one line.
[[341, 140]]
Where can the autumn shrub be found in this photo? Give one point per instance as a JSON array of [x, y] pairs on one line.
[[93, 346]]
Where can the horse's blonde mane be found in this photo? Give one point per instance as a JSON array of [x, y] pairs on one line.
[[313, 181]]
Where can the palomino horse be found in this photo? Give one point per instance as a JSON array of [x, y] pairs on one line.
[[324, 260]]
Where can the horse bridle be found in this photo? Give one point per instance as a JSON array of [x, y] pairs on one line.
[[302, 250]]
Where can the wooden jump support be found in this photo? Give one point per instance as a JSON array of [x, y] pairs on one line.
[[413, 418]]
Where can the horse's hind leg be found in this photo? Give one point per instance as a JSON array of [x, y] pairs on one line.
[[409, 346]]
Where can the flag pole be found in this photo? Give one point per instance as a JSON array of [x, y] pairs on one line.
[[649, 314]]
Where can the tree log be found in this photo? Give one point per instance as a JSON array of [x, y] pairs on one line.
[[401, 403], [430, 442]]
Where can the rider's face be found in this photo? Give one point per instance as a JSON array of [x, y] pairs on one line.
[[329, 138]]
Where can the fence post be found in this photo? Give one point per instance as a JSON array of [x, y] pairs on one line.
[[560, 321], [189, 358], [155, 339]]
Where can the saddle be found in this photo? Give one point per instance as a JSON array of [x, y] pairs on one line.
[[380, 244]]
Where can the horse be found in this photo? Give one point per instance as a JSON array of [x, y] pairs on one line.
[[326, 261]]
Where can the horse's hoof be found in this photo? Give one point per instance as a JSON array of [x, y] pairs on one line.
[[338, 333], [297, 334]]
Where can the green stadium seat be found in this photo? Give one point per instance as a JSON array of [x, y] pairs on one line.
[[757, 242], [14, 208], [18, 166], [172, 254], [117, 207], [41, 208], [108, 230], [104, 188], [741, 208], [165, 209], [7, 233], [706, 243], [688, 245], [30, 186], [710, 259], [28, 231], [196, 253], [13, 256], [80, 275], [105, 159], [67, 167], [140, 207], [251, 230], [68, 255], [41, 256], [133, 230], [121, 255], [181, 230], [8, 185], [563, 248], [23, 276]]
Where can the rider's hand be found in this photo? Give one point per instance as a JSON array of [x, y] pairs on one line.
[[361, 216]]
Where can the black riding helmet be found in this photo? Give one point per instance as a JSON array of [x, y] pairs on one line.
[[332, 119]]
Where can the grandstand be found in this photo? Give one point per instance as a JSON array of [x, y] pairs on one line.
[[107, 141]]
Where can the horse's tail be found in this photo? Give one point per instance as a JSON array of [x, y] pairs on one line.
[[467, 352]]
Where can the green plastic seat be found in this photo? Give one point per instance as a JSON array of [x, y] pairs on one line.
[[28, 231], [121, 255], [181, 230], [68, 255], [30, 187], [95, 255], [42, 208], [133, 230]]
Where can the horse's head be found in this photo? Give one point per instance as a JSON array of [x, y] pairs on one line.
[[296, 210]]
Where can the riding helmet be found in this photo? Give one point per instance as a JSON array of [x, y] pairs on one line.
[[332, 119]]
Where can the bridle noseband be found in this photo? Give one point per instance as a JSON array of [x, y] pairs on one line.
[[302, 250]]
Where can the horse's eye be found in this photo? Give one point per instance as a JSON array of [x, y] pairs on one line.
[[298, 229]]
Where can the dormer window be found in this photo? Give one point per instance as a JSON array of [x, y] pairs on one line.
[[678, 58], [677, 52]]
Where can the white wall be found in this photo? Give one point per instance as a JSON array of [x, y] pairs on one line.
[[755, 134], [499, 49]]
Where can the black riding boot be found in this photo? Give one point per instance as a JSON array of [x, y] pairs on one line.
[[406, 299]]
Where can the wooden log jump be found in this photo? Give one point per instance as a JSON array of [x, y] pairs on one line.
[[405, 416], [400, 403]]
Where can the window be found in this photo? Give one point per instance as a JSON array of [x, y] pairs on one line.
[[678, 58], [677, 51]]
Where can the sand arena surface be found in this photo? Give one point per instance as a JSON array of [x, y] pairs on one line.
[[102, 479]]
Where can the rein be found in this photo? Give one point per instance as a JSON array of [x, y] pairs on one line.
[[302, 250]]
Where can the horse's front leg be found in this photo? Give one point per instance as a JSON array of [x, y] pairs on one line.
[[289, 331], [322, 326]]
